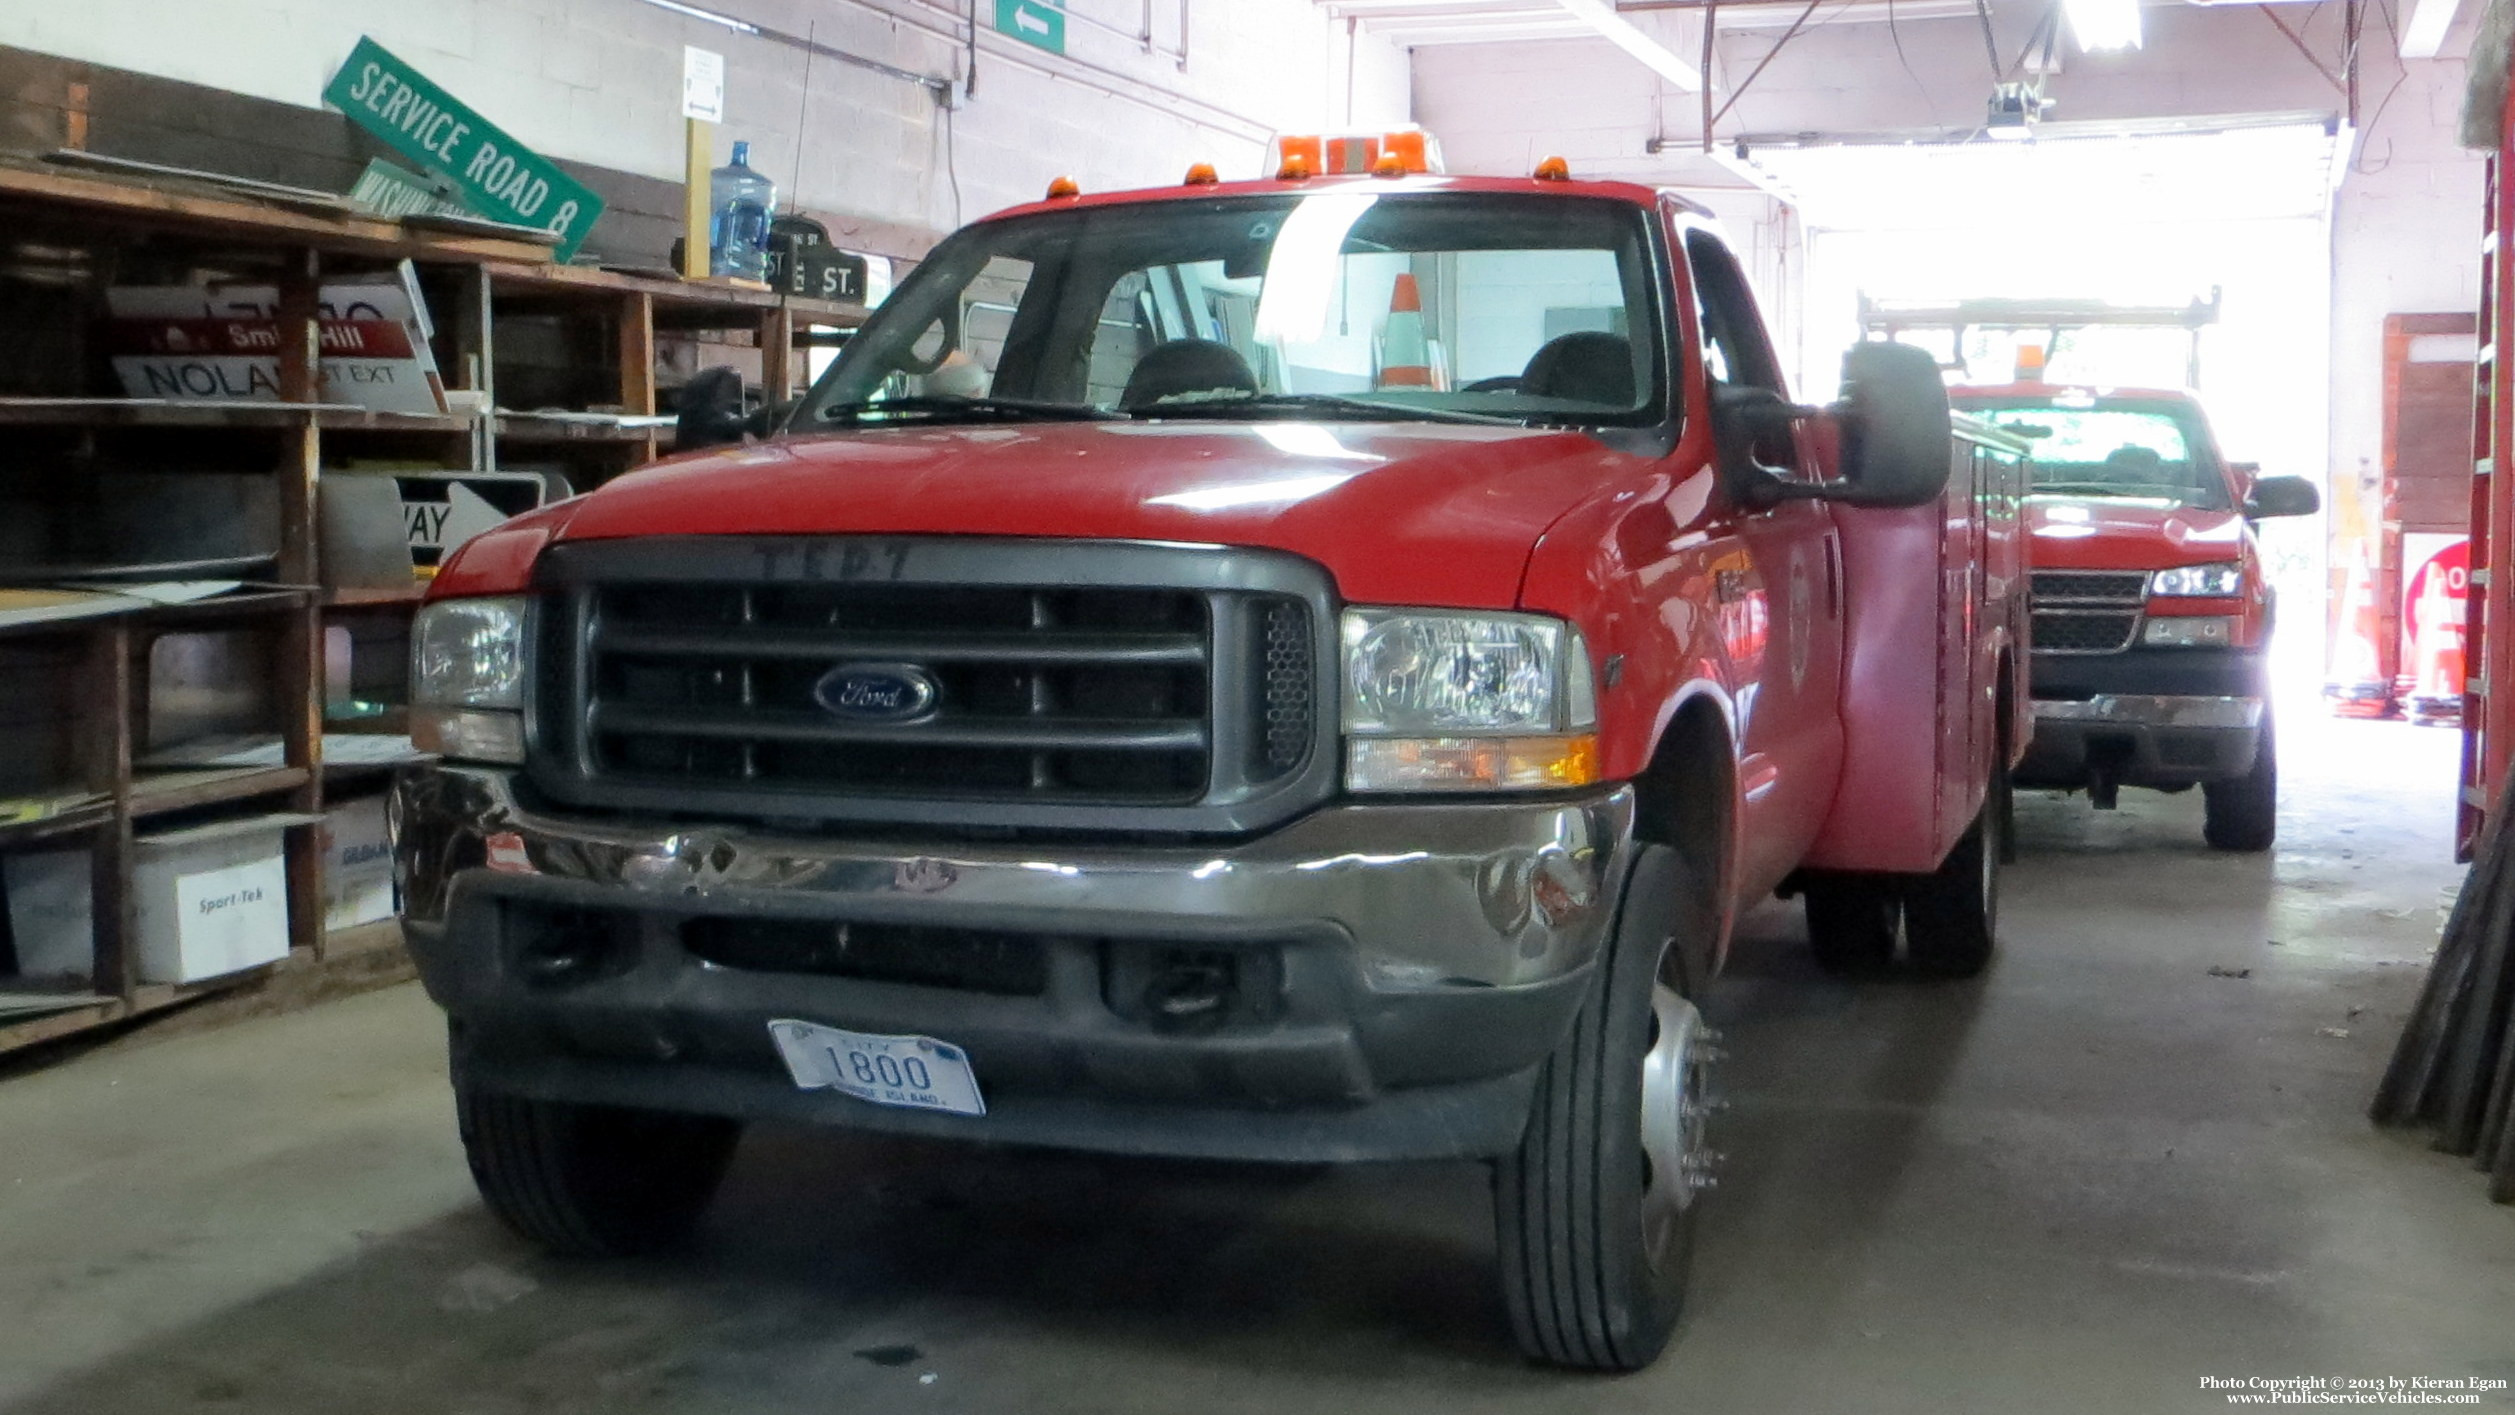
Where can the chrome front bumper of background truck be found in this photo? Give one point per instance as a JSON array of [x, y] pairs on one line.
[[1406, 967], [2142, 739]]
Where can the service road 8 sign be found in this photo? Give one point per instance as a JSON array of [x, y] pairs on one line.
[[498, 177]]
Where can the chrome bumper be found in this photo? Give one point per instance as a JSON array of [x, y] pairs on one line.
[[2143, 739], [1430, 957], [2152, 711]]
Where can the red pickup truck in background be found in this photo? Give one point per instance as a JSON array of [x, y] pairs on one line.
[[2152, 612], [1300, 669]]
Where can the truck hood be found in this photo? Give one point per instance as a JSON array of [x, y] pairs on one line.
[[1398, 512], [2123, 533]]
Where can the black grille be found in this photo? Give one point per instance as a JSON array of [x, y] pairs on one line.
[[2090, 586], [1289, 717], [711, 675], [1040, 691], [2065, 631], [972, 960]]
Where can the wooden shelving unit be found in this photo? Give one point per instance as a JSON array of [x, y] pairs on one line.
[[582, 352]]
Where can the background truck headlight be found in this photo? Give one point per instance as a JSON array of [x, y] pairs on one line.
[[467, 679], [1444, 700], [2223, 580]]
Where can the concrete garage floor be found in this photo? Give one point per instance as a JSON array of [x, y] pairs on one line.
[[2080, 1185]]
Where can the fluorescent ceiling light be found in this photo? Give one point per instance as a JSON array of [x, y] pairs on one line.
[[1617, 30], [2103, 24], [2423, 36]]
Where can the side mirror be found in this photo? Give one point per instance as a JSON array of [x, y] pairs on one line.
[[2283, 496], [1897, 431], [1751, 429], [711, 409]]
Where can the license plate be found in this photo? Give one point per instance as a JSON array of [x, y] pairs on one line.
[[919, 1073]]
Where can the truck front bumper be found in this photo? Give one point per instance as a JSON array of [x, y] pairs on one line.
[[1392, 974], [2142, 740]]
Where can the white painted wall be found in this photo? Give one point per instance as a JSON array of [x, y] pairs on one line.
[[599, 81]]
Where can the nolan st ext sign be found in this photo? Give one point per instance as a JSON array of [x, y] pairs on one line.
[[498, 177]]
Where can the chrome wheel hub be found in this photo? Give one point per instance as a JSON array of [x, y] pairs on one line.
[[1676, 1163]]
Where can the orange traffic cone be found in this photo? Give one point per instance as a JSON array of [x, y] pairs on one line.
[[2357, 686], [2436, 695], [1405, 355]]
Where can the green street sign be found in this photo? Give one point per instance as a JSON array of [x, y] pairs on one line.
[[497, 176], [1034, 22]]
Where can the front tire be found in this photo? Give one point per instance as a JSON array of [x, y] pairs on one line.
[[2243, 814], [592, 1181], [1596, 1213]]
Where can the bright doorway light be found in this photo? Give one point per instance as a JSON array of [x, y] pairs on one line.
[[2103, 24]]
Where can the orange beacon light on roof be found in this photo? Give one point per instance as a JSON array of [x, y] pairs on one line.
[[1395, 153]]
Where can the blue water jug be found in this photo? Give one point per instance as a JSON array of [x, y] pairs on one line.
[[741, 201]]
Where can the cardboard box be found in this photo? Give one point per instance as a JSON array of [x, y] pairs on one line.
[[357, 865], [52, 913], [212, 899]]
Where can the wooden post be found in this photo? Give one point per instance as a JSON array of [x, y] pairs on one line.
[[300, 685], [108, 769], [637, 368], [700, 138], [777, 355]]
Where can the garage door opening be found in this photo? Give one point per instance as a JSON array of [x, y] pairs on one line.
[[2158, 214]]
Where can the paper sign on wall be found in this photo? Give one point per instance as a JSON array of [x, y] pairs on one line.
[[702, 84]]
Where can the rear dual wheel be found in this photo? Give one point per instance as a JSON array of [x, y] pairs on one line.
[[1947, 920], [1596, 1212]]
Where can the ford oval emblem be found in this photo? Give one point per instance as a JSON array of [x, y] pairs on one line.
[[877, 692]]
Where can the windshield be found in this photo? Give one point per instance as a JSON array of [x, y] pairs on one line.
[[2151, 454], [1441, 306]]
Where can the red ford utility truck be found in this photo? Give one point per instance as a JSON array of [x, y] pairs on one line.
[[1302, 669], [2152, 615]]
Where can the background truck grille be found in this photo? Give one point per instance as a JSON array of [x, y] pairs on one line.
[[2079, 631], [2090, 586], [699, 687], [2088, 611]]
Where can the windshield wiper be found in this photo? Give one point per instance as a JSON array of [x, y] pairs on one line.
[[1233, 405], [934, 408]]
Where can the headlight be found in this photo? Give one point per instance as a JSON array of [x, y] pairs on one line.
[[467, 678], [2221, 581], [1441, 700]]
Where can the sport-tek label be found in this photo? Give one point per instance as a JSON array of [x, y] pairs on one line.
[[499, 177]]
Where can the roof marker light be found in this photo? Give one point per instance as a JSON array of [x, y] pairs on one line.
[[1389, 164], [1202, 174], [1060, 188], [1553, 169]]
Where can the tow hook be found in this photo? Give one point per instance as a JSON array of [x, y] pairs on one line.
[[2104, 789]]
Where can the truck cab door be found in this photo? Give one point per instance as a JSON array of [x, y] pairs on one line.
[[1778, 587]]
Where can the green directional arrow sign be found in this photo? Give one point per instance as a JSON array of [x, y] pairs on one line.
[[1036, 22], [497, 176]]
